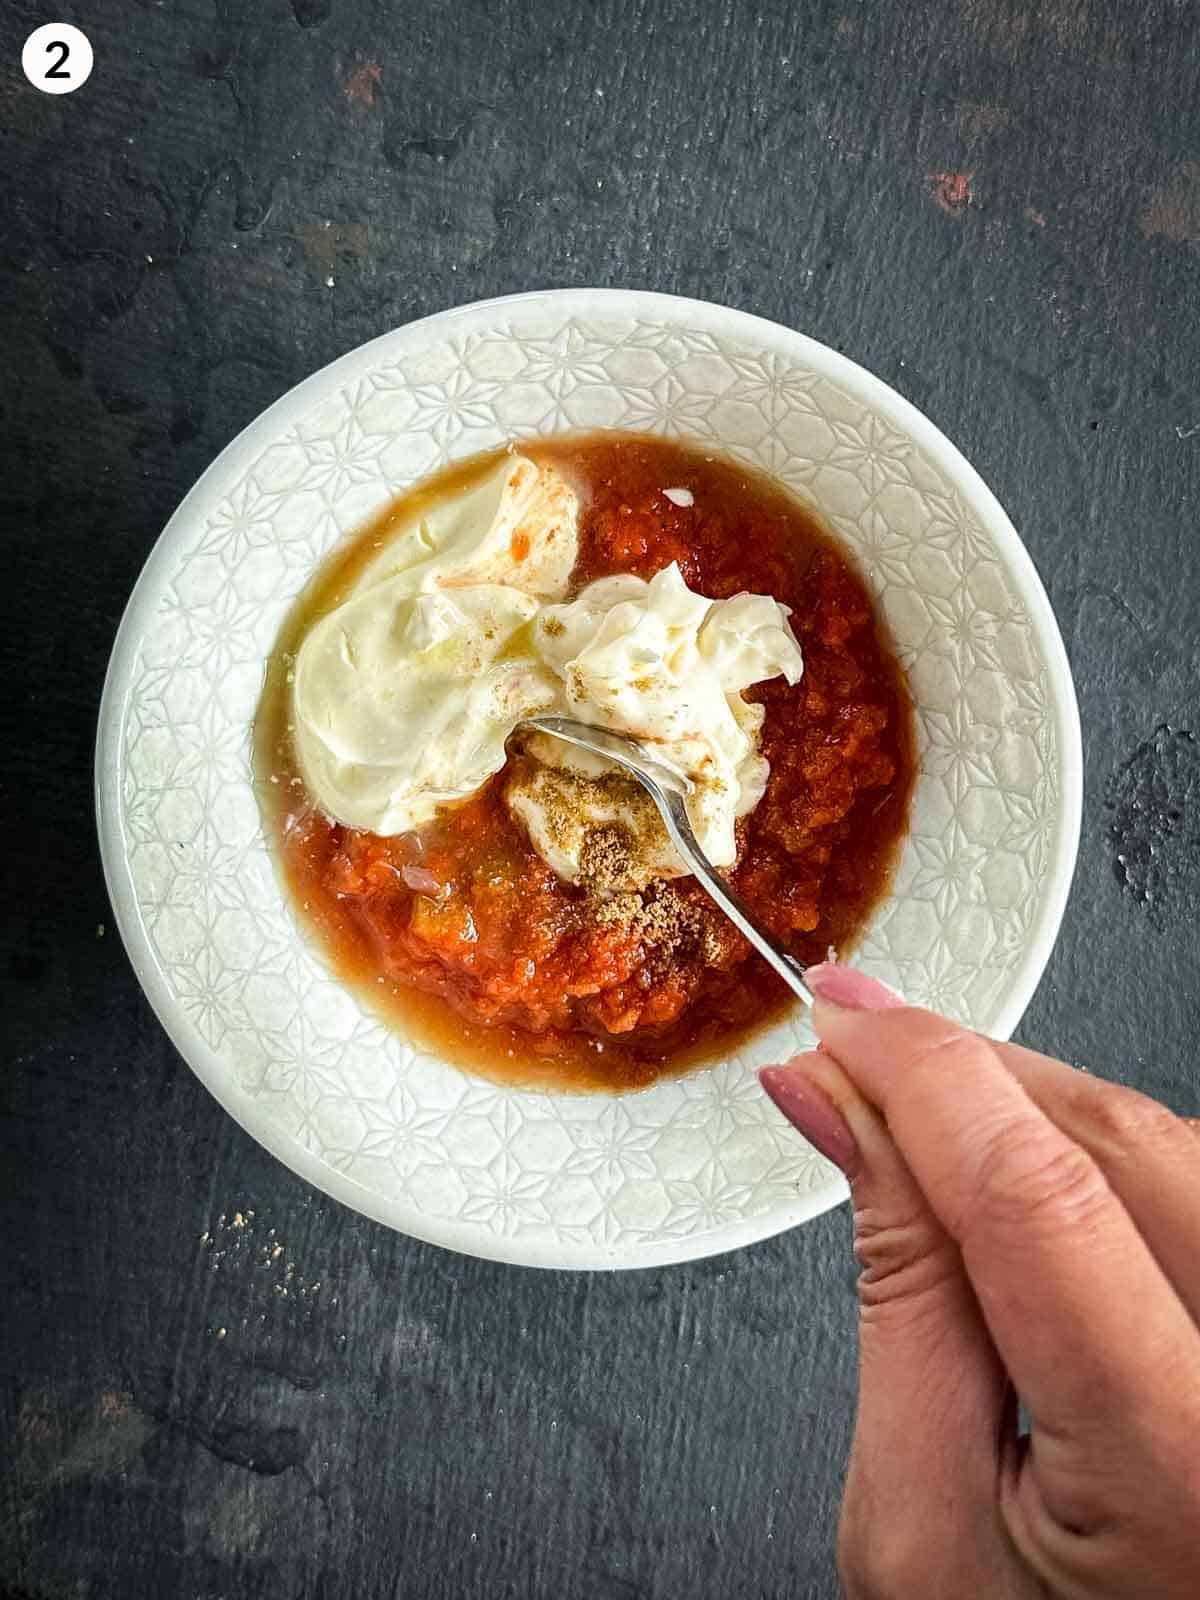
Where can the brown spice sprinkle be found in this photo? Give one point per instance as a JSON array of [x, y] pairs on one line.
[[618, 863], [607, 858], [667, 921], [619, 869], [613, 856]]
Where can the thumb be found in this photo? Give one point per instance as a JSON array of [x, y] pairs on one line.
[[933, 1396]]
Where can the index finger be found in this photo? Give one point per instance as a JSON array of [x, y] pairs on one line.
[[1054, 1258]]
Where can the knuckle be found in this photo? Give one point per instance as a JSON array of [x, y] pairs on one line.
[[952, 1051], [1030, 1177], [900, 1258], [1122, 1117], [1082, 1509], [935, 1053]]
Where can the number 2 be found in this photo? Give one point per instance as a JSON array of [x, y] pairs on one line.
[[56, 71]]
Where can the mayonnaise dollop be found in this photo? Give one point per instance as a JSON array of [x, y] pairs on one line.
[[404, 702], [404, 696], [666, 665]]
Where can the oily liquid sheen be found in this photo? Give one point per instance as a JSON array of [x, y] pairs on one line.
[[598, 465]]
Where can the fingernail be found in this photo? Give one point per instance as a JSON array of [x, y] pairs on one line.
[[850, 989], [810, 1112]]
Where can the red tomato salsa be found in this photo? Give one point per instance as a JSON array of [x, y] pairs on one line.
[[474, 943]]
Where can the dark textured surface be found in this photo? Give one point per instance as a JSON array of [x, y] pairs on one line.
[[994, 204]]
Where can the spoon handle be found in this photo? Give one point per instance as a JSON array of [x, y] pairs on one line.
[[674, 815]]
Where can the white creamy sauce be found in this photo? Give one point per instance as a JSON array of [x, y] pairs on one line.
[[404, 696]]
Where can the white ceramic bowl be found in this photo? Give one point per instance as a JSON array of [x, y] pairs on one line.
[[689, 1167]]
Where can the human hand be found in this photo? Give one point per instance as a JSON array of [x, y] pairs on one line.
[[1023, 1229]]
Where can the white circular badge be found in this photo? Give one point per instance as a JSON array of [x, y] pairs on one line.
[[57, 58]]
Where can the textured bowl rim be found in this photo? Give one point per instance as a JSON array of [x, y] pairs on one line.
[[205, 1061]]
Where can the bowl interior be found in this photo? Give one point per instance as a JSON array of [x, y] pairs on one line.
[[692, 1165]]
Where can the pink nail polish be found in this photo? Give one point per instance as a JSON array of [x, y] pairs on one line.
[[811, 1113], [850, 989]]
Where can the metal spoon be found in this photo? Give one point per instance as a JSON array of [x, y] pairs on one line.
[[668, 788]]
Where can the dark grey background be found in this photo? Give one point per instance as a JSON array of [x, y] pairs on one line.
[[994, 204]]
